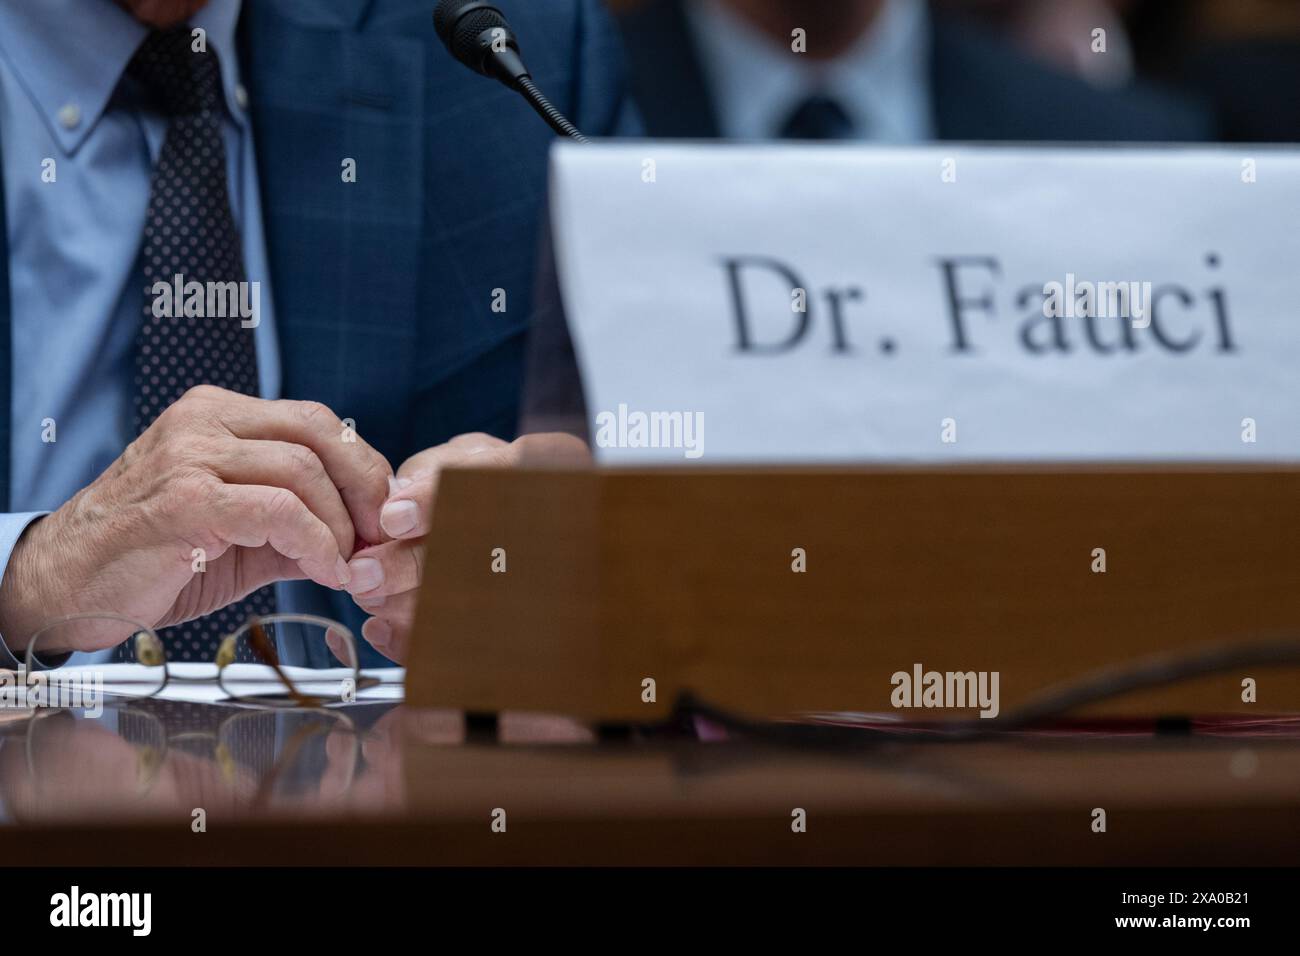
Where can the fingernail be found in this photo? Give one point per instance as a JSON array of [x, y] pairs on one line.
[[399, 517], [367, 574], [376, 631], [341, 569], [396, 484]]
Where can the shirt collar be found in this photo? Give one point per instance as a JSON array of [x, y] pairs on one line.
[[883, 81], [220, 18], [69, 56]]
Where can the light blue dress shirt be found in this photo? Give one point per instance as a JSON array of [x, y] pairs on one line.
[[883, 81], [76, 287]]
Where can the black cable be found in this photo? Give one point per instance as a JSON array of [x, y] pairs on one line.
[[554, 118], [1056, 703], [1154, 672]]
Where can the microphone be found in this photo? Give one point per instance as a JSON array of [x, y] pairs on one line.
[[479, 36]]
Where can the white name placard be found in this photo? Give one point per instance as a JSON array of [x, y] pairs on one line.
[[801, 303]]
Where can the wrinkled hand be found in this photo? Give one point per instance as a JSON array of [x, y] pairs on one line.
[[384, 578], [260, 491]]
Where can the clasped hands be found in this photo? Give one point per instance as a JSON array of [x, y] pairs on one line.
[[225, 494]]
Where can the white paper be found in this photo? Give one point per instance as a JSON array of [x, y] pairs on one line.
[[192, 681], [651, 306]]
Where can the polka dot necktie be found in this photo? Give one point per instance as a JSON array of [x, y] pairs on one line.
[[190, 232]]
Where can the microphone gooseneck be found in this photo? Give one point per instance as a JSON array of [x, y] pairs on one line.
[[548, 112], [478, 35]]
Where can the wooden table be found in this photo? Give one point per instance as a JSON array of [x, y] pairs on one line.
[[403, 786]]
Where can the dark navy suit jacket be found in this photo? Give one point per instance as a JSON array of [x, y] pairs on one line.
[[384, 288]]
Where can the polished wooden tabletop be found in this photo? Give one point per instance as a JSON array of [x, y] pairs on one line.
[[376, 784]]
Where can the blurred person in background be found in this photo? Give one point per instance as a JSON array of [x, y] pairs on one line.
[[1062, 33], [888, 71], [1241, 57]]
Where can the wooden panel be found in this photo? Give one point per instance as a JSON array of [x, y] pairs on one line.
[[541, 616], [685, 577]]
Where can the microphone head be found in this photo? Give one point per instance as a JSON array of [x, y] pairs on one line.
[[475, 33]]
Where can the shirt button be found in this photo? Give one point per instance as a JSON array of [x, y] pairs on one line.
[[241, 96], [69, 115]]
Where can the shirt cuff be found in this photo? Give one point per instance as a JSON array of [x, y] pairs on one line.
[[12, 527]]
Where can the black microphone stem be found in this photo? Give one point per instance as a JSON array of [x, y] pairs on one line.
[[554, 118]]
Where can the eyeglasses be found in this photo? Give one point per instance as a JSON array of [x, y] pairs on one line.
[[247, 666]]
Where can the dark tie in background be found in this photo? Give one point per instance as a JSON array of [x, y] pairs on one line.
[[819, 117], [190, 231]]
